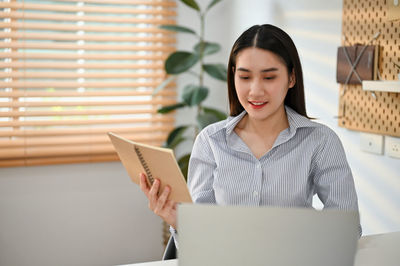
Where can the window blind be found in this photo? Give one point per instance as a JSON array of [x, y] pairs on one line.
[[73, 70]]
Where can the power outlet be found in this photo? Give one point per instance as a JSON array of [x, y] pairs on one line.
[[393, 147], [371, 143]]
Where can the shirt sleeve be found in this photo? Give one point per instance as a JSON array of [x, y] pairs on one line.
[[332, 175], [201, 169]]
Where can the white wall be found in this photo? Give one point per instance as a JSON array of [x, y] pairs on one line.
[[81, 214]]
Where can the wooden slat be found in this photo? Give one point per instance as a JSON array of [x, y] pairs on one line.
[[87, 9], [74, 93], [73, 65], [76, 75], [86, 131], [83, 27], [59, 160], [64, 140], [103, 19], [76, 56], [74, 122], [84, 37], [74, 84], [86, 103], [128, 2], [61, 150], [79, 112], [87, 47]]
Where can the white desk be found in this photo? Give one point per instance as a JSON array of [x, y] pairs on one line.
[[372, 250], [156, 263]]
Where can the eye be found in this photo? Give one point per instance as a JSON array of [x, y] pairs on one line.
[[268, 78], [244, 77]]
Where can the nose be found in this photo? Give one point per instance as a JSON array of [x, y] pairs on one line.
[[256, 88]]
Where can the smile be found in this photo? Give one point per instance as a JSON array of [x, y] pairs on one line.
[[257, 104]]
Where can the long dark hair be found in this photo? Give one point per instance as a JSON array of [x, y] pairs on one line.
[[275, 40]]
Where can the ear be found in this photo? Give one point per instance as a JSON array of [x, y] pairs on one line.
[[292, 79], [233, 70]]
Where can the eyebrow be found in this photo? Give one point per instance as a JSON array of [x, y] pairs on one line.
[[263, 71]]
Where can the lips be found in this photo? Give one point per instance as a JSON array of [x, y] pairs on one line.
[[257, 104]]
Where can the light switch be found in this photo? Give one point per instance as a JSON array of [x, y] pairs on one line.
[[393, 12], [371, 143]]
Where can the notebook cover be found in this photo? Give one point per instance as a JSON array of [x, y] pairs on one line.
[[161, 162]]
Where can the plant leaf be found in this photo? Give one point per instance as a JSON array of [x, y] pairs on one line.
[[175, 137], [212, 3], [193, 94], [178, 28], [163, 84], [217, 71], [192, 4], [208, 48], [183, 163], [170, 108], [180, 61], [217, 113]]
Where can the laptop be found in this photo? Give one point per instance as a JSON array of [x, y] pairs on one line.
[[237, 235]]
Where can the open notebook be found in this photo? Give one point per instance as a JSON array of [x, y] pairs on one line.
[[155, 162]]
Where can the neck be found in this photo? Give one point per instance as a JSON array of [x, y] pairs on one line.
[[271, 125]]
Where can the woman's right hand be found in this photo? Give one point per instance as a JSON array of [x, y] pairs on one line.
[[159, 202]]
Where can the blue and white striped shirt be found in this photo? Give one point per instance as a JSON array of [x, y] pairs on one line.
[[307, 158]]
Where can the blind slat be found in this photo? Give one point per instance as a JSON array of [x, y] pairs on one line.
[[16, 25], [63, 140], [69, 65], [71, 122], [85, 131], [87, 9], [162, 3], [72, 84], [88, 47], [75, 75], [59, 160], [79, 112], [82, 103], [76, 18], [75, 56], [78, 37], [12, 94]]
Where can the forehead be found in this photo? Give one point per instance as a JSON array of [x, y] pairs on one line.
[[257, 58]]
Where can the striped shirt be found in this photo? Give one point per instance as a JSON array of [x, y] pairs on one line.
[[306, 159]]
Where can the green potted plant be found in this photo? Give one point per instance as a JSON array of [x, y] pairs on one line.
[[192, 63]]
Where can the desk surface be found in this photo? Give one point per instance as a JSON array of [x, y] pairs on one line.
[[156, 263], [372, 250]]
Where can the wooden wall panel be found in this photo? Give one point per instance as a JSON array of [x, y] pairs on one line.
[[358, 109]]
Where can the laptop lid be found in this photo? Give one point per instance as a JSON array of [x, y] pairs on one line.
[[237, 235]]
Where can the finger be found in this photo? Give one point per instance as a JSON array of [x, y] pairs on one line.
[[153, 193], [161, 200], [143, 184]]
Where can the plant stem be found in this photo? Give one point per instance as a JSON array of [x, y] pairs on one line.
[[201, 75]]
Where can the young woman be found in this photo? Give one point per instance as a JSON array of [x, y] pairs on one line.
[[267, 152]]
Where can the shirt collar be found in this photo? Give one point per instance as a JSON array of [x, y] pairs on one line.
[[295, 121]]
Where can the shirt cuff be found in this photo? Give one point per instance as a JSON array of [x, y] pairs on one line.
[[174, 234]]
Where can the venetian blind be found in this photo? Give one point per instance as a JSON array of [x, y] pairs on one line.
[[73, 70]]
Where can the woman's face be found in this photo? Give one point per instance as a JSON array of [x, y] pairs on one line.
[[261, 81]]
